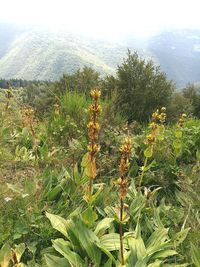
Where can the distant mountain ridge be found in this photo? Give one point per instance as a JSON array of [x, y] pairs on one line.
[[45, 55]]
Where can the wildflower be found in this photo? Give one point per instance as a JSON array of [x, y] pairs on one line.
[[93, 133], [122, 183], [150, 139], [56, 106], [126, 152], [182, 120], [95, 94], [28, 117]]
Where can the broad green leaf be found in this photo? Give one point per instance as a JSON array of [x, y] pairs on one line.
[[157, 263], [5, 255], [112, 213], [62, 247], [59, 223], [103, 225], [179, 237], [164, 254], [176, 265], [97, 194], [195, 255], [137, 205], [156, 240], [53, 261], [148, 152], [106, 251], [19, 250], [89, 216], [56, 191], [139, 263], [136, 245], [108, 263], [111, 242], [87, 240]]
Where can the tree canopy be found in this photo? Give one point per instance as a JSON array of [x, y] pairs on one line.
[[141, 88]]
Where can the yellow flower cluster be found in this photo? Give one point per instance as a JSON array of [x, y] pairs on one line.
[[126, 152], [158, 120], [27, 115], [28, 111], [93, 130], [9, 95], [93, 125], [150, 139], [93, 149], [123, 185], [159, 116], [95, 93], [182, 120]]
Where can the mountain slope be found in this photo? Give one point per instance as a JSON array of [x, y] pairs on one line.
[[178, 54], [30, 53], [40, 55]]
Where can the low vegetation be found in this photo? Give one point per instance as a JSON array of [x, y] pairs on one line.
[[81, 186]]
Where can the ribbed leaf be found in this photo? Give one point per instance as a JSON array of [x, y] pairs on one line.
[[179, 237], [53, 261], [87, 240], [19, 250], [157, 263], [137, 247], [103, 225], [195, 255], [164, 254], [5, 255], [62, 247], [107, 252], [59, 223], [157, 240], [89, 216], [111, 242], [108, 263]]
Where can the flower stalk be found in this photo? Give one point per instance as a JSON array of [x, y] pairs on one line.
[[28, 119], [157, 126], [122, 183], [93, 134], [56, 107], [9, 95]]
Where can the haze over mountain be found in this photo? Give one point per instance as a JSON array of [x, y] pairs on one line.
[[44, 39], [33, 53]]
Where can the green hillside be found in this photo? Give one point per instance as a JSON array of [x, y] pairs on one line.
[[32, 53], [45, 56]]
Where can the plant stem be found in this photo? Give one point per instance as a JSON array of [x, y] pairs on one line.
[[90, 187], [121, 230], [142, 174]]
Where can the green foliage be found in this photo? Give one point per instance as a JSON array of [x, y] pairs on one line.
[[161, 219], [141, 88]]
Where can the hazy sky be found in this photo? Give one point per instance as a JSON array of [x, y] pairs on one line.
[[104, 17]]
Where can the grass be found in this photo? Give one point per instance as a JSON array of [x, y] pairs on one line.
[[154, 222]]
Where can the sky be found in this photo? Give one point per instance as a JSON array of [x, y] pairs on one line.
[[104, 18]]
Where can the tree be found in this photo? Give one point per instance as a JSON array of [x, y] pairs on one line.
[[142, 88], [179, 104], [82, 81], [192, 93]]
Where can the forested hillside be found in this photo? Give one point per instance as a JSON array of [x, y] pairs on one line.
[[37, 53]]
